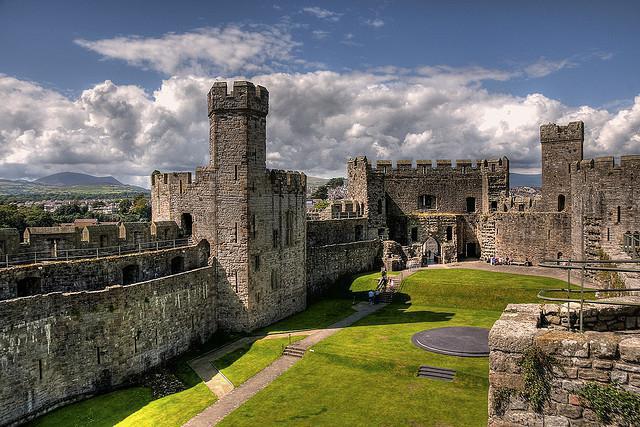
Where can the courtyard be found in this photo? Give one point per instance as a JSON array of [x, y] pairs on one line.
[[365, 374]]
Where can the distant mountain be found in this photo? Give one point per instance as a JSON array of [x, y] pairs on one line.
[[525, 180], [74, 178], [66, 186]]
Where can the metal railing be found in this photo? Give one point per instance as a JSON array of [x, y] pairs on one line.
[[91, 252], [584, 266], [631, 244]]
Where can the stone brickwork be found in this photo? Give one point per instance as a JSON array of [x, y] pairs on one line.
[[327, 265], [532, 236], [60, 347], [601, 357], [334, 231], [94, 274], [9, 242], [253, 217]]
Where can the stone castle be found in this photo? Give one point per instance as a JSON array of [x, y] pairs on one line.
[[76, 327]]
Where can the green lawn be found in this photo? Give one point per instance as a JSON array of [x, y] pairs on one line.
[[243, 363], [136, 406], [361, 376], [365, 374]]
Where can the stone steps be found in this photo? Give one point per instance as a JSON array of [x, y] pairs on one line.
[[293, 351], [435, 373]]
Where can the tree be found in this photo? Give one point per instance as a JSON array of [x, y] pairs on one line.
[[335, 182], [141, 208], [124, 206], [320, 193]]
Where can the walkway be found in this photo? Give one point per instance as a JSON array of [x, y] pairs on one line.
[[234, 398]]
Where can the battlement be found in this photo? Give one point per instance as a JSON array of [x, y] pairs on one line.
[[290, 182], [552, 132], [463, 166], [159, 178], [345, 208], [244, 96], [608, 163]]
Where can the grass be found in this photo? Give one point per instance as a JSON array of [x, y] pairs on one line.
[[136, 407], [365, 374], [243, 363]]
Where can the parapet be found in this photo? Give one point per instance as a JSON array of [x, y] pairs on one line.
[[552, 132], [425, 167], [628, 163], [245, 96], [159, 178], [289, 182]]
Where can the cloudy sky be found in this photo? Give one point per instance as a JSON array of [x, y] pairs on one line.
[[119, 87]]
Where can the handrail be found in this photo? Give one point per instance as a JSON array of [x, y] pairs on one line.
[[583, 266], [91, 252]]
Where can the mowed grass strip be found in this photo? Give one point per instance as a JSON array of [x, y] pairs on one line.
[[365, 375], [243, 363]]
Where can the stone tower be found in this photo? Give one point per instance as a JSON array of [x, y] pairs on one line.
[[259, 214], [561, 146]]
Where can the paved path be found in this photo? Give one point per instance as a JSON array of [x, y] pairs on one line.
[[236, 397]]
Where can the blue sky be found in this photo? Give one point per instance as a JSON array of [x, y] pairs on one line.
[[121, 85]]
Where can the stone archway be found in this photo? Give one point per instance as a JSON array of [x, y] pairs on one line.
[[430, 251]]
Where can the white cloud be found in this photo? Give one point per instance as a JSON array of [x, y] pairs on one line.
[[205, 51], [375, 23], [320, 34], [321, 13], [317, 120]]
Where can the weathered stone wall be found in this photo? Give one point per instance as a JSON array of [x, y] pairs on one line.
[[327, 265], [334, 231], [9, 242], [532, 235], [59, 347], [602, 357], [367, 188], [606, 197], [93, 274], [435, 225], [561, 146]]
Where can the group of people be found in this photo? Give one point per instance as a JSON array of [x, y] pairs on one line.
[[383, 281], [494, 260]]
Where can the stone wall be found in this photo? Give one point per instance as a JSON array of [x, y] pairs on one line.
[[334, 231], [601, 357], [94, 274], [47, 359], [327, 265], [532, 235]]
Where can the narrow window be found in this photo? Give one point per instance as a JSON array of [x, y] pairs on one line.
[[471, 204], [561, 201], [135, 344], [358, 233], [618, 215], [166, 176], [156, 337], [608, 234], [256, 262], [274, 279], [380, 206], [253, 226], [98, 354], [549, 234], [180, 185], [235, 233], [494, 206], [235, 173], [449, 233], [275, 238], [493, 168], [414, 234], [40, 369], [236, 280]]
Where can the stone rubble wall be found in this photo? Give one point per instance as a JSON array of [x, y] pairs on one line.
[[602, 357], [532, 235], [94, 274], [60, 347], [335, 231], [327, 265]]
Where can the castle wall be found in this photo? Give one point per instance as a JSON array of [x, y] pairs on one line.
[[47, 360], [591, 357], [327, 265], [367, 188], [93, 274], [532, 235], [9, 242], [435, 225], [601, 190], [334, 231]]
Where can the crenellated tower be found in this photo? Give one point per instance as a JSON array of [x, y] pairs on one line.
[[561, 146]]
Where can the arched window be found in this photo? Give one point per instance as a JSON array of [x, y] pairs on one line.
[[561, 203]]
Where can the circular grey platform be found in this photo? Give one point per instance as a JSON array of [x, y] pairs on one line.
[[463, 341]]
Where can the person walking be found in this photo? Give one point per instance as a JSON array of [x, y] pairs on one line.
[[371, 295]]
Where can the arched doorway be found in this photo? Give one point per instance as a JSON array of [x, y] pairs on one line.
[[177, 265], [130, 274], [204, 252], [430, 251]]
